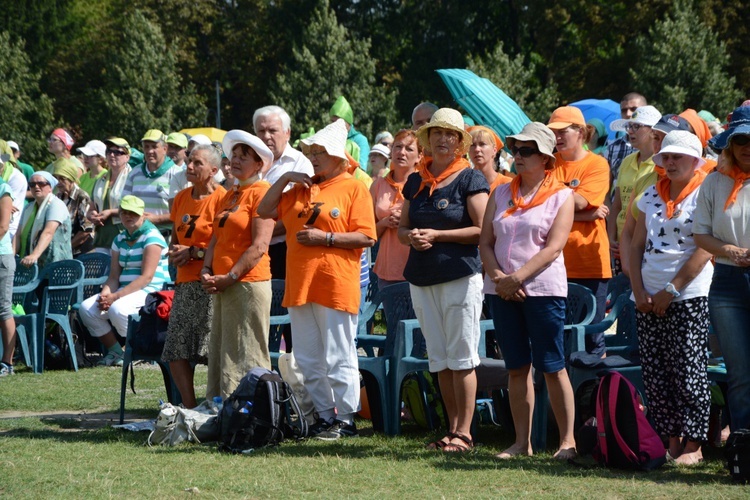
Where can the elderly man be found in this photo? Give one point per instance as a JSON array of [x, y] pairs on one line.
[[150, 181], [177, 144], [422, 114], [274, 127]]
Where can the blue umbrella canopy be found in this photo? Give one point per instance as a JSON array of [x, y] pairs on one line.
[[604, 109], [484, 102]]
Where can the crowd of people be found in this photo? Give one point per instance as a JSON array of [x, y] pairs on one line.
[[665, 203]]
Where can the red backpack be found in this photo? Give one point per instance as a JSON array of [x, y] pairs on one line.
[[625, 438]]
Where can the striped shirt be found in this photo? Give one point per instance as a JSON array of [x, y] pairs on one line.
[[154, 192], [131, 259]]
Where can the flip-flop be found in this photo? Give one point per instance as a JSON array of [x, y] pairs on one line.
[[465, 446]]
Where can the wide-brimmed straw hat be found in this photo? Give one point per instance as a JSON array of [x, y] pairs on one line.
[[332, 138], [449, 119], [234, 137], [540, 134]]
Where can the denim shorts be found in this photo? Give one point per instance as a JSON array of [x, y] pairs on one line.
[[7, 270], [530, 331]]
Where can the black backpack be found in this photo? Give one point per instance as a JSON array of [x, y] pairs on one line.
[[151, 332], [262, 411], [737, 451]]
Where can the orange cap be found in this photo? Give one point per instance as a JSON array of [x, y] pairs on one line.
[[565, 116]]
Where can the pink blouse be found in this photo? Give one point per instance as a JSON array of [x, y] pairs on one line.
[[392, 254]]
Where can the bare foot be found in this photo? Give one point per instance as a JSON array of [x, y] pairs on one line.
[[565, 453], [693, 458], [516, 449]]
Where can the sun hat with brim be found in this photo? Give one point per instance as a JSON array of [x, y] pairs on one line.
[[540, 134], [565, 116], [740, 125], [177, 139], [681, 142], [671, 122], [63, 167], [644, 115], [154, 135], [332, 138], [47, 177], [234, 137], [118, 142], [132, 204], [200, 139], [94, 148], [381, 150], [449, 119]]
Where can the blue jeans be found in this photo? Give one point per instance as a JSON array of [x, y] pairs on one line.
[[729, 306]]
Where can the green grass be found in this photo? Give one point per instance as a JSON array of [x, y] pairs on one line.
[[71, 451]]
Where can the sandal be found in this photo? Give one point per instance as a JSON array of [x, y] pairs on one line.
[[440, 443], [464, 446]]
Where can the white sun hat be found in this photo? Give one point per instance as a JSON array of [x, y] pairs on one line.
[[684, 143], [645, 115], [234, 137], [332, 137]]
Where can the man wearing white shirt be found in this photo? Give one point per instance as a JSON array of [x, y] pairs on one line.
[[274, 127]]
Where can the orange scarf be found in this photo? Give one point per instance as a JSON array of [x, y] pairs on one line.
[[430, 180], [739, 177], [397, 186], [663, 185], [548, 187], [314, 190]]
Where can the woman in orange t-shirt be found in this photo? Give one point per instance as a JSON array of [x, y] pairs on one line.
[[483, 151], [192, 214], [386, 194], [587, 258], [329, 220], [237, 270]]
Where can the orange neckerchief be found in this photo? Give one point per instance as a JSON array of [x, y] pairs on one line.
[[549, 187], [430, 180], [499, 181], [739, 177], [397, 186], [663, 185]]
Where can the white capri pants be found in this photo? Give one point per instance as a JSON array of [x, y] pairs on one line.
[[449, 315], [96, 319], [326, 352]]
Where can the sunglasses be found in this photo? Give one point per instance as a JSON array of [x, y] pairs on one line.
[[741, 140], [34, 184], [632, 109], [525, 152], [116, 152]]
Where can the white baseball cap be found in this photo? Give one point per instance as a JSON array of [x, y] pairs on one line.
[[13, 145], [94, 148]]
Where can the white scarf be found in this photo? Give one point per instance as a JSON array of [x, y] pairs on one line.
[[39, 221], [115, 191]]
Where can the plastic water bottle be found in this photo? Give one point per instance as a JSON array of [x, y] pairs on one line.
[[52, 349], [248, 408], [218, 404]]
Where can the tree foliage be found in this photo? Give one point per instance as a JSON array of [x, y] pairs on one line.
[[519, 81], [327, 62], [682, 64], [25, 111]]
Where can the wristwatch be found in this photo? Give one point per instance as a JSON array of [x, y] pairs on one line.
[[232, 275], [200, 253], [670, 288]]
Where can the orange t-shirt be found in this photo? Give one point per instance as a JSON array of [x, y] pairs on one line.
[[328, 276], [193, 222], [587, 251], [392, 254], [499, 181], [233, 228]]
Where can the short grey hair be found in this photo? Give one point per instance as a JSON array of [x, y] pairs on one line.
[[212, 154], [433, 107], [382, 135], [266, 111]]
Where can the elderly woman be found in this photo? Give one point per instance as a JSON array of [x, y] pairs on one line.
[[379, 162], [441, 220], [525, 229], [587, 259], [670, 281], [485, 145], [385, 138], [107, 192], [139, 267], [7, 269], [44, 231], [388, 199], [193, 212], [237, 270], [78, 203], [721, 228], [328, 220]]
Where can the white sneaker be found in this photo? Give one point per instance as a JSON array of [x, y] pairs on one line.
[[111, 359]]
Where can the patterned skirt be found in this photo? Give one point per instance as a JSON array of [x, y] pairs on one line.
[[189, 324]]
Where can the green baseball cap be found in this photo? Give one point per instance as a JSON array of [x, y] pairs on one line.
[[154, 135], [177, 139], [118, 142], [132, 204]]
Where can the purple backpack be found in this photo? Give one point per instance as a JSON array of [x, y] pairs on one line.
[[626, 439]]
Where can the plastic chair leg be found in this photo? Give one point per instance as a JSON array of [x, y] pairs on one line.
[[24, 328], [539, 419], [127, 360]]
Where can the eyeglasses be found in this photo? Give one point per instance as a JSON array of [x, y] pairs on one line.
[[525, 152], [635, 127], [315, 154], [741, 140], [116, 152], [34, 184]]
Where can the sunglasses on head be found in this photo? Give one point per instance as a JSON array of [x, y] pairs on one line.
[[525, 151], [34, 184], [116, 152], [741, 140]]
